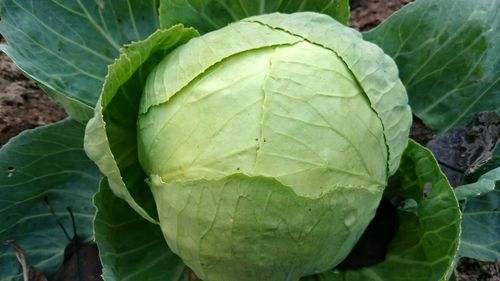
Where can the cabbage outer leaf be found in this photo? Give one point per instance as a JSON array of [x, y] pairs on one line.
[[428, 238], [255, 228], [276, 106], [376, 72], [110, 137], [197, 148]]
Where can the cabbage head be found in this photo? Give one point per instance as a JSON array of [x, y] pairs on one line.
[[267, 145]]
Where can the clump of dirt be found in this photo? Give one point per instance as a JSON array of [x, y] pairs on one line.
[[22, 104], [473, 270]]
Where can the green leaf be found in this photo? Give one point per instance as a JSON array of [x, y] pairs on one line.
[[65, 46], [208, 15], [375, 72], [481, 215], [45, 162], [484, 184], [110, 138], [427, 241], [447, 54], [481, 227], [204, 134], [131, 248], [251, 228]]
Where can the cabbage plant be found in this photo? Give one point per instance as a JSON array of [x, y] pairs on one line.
[[246, 142], [246, 137]]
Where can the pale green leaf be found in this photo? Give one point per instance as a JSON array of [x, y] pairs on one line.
[[375, 72], [484, 184], [255, 228], [293, 123], [110, 138]]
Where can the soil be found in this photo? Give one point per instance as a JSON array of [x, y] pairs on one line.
[[472, 270], [23, 106], [366, 14]]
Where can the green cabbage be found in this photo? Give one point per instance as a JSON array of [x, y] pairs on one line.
[[268, 144]]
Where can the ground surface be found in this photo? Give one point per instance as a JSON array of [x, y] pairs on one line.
[[24, 106]]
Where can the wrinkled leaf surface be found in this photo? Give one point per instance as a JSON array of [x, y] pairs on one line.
[[427, 242], [110, 138]]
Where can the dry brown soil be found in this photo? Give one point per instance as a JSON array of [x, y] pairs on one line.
[[22, 105]]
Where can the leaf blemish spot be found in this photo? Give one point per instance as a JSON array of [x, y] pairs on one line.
[[10, 170], [427, 189]]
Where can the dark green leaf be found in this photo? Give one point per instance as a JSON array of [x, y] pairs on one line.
[[66, 45], [427, 242], [131, 248], [208, 15], [447, 53], [481, 227], [44, 162], [481, 215]]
